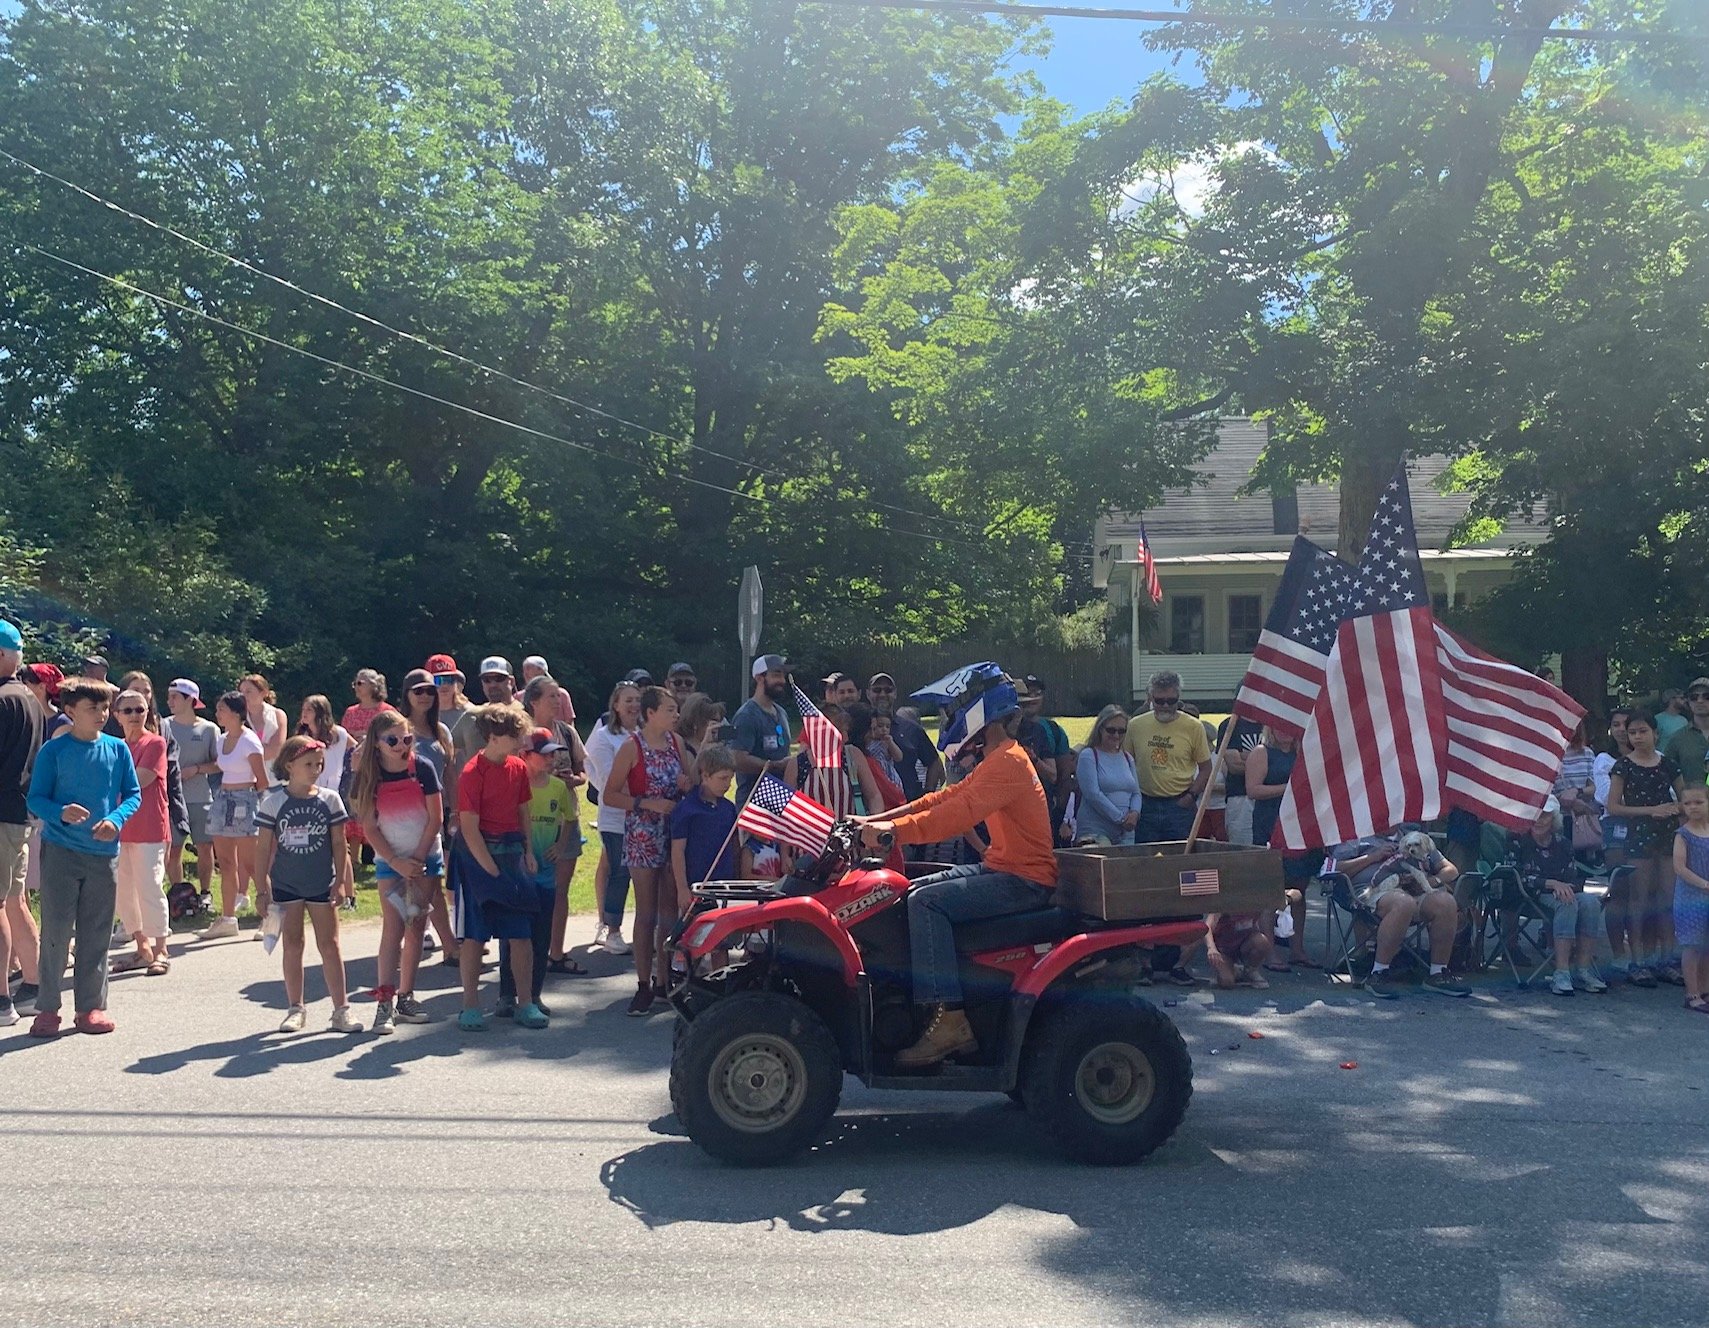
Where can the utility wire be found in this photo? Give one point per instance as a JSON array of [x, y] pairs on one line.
[[162, 300], [1243, 22], [418, 340]]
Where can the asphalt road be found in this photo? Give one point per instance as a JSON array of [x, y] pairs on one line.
[[1514, 1158]]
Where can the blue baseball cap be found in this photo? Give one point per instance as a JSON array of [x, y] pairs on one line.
[[10, 637]]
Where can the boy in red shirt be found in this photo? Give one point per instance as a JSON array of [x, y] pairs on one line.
[[493, 793]]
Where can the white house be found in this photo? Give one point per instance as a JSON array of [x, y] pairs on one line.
[[1220, 557]]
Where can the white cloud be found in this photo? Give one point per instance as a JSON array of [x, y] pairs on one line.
[[1192, 181]]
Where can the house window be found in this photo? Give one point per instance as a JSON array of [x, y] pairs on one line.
[[1187, 625], [1245, 622]]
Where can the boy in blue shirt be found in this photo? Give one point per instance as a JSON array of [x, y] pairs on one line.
[[83, 789], [702, 848]]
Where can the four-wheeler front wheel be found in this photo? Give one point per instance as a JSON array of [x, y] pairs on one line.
[[1108, 1079], [755, 1077]]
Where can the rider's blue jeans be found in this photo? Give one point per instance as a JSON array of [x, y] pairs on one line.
[[961, 894]]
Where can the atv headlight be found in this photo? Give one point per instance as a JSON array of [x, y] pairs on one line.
[[697, 936]]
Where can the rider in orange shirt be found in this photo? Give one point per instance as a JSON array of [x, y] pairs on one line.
[[1019, 871]]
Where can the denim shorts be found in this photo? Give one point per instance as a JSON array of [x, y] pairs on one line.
[[435, 866], [233, 814]]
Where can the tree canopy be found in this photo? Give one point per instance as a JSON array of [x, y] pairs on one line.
[[548, 318]]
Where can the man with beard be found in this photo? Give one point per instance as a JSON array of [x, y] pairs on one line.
[[762, 739]]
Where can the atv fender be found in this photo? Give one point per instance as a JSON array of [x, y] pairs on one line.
[[727, 922]]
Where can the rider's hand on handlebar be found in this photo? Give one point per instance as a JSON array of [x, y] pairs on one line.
[[877, 835]]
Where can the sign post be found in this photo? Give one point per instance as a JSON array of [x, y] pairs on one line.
[[750, 621]]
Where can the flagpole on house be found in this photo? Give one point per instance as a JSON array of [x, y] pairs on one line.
[[1205, 796]]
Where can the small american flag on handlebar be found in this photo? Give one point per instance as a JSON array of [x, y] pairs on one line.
[[776, 811]]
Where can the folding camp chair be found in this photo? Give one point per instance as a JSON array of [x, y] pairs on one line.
[[1517, 923], [1350, 933]]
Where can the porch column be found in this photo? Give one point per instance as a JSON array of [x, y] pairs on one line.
[[1133, 640]]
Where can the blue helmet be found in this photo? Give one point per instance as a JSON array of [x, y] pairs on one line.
[[971, 697]]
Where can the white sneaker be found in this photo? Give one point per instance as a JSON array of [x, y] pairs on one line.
[[1562, 983], [599, 934], [295, 1019], [614, 944], [1585, 979], [218, 930], [344, 1022]]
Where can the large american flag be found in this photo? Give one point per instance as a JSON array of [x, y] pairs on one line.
[[1397, 717], [776, 811]]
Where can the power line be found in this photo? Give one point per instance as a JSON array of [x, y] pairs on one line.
[[418, 340], [1244, 22], [165, 302]]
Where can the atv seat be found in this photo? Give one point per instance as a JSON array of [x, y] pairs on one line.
[[1029, 928]]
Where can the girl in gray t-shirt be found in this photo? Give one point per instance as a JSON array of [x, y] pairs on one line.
[[301, 828]]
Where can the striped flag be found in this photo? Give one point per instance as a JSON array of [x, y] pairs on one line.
[[1153, 587], [1286, 674], [776, 811], [1397, 717], [818, 735], [1507, 732]]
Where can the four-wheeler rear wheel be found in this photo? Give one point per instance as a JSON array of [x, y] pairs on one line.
[[1109, 1080], [755, 1077]]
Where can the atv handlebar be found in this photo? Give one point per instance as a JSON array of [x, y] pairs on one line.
[[841, 852]]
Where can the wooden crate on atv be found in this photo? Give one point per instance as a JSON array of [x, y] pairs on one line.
[[1141, 882]]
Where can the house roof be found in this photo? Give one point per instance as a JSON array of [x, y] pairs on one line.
[[1210, 516]]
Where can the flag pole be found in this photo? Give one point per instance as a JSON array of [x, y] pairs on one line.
[[1205, 796]]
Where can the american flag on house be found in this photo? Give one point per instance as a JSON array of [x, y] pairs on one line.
[[1397, 717], [1148, 565]]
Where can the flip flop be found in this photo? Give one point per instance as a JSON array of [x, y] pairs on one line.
[[565, 965], [127, 964]]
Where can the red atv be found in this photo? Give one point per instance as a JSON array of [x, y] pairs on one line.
[[808, 978]]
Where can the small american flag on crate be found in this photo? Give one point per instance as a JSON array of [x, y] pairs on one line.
[[1203, 882]]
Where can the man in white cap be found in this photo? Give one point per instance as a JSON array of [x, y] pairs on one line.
[[498, 685], [761, 742]]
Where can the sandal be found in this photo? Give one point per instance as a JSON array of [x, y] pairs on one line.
[[565, 965], [1698, 1005], [1274, 967], [159, 968], [127, 964]]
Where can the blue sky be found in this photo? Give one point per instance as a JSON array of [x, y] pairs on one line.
[[1095, 61]]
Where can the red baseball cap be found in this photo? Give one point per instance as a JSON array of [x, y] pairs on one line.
[[541, 742], [48, 676], [437, 664]]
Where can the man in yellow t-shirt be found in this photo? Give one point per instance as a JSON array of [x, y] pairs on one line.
[[1173, 757]]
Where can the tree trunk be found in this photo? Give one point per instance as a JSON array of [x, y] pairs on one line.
[[1584, 677], [1364, 472]]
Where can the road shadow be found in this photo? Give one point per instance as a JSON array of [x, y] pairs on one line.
[[1524, 1170]]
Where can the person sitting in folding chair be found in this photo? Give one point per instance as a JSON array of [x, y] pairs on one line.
[[1543, 857], [1404, 881]]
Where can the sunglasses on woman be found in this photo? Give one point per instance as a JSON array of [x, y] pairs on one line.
[[1111, 728], [423, 689], [395, 739], [132, 710]]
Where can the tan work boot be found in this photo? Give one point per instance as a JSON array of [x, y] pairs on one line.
[[947, 1034]]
